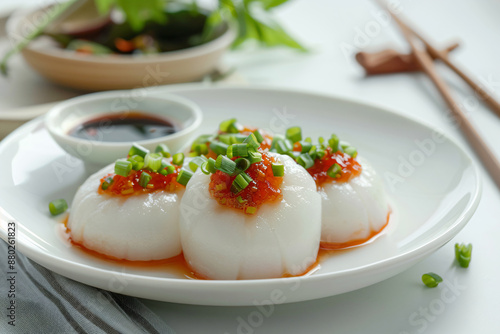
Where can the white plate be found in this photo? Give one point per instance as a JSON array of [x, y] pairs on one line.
[[435, 190]]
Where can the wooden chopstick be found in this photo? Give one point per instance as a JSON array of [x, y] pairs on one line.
[[438, 54], [425, 61]]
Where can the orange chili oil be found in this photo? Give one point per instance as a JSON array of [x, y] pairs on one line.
[[350, 167], [129, 185], [264, 188]]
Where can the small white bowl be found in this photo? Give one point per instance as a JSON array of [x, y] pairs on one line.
[[65, 116]]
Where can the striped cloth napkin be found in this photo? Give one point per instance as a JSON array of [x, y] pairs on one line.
[[46, 302]]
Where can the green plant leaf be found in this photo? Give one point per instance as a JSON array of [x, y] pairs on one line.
[[268, 4], [140, 12]]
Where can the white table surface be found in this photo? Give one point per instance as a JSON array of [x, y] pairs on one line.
[[470, 303]]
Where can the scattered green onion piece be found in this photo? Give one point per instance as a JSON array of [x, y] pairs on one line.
[[284, 146], [184, 176], [123, 167], [144, 179], [137, 149], [202, 139], [246, 177], [258, 136], [254, 157], [239, 184], [227, 138], [321, 141], [463, 254], [252, 141], [313, 152], [204, 168], [211, 165], [229, 126], [197, 162], [278, 169], [58, 206], [225, 165], [333, 142], [137, 162], [251, 210], [218, 147], [152, 161], [276, 139], [320, 154], [351, 151], [306, 146], [241, 200], [335, 171], [431, 279], [242, 165], [294, 134], [107, 182], [308, 139], [166, 169], [178, 159], [163, 150], [238, 150], [200, 149], [305, 160], [293, 154]]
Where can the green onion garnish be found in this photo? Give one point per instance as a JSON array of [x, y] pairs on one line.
[[321, 141], [242, 165], [320, 154], [163, 150], [313, 152], [335, 171], [278, 169], [306, 146], [153, 161], [284, 146], [252, 141], [225, 165], [251, 210], [107, 182], [254, 157], [463, 254], [246, 177], [196, 163], [308, 139], [239, 183], [258, 136], [204, 168], [229, 126], [123, 167], [184, 176], [241, 200], [431, 279], [211, 165], [305, 160], [178, 159], [333, 142], [351, 151], [218, 147], [137, 149], [137, 162], [294, 134], [166, 169], [57, 207], [144, 179], [237, 150]]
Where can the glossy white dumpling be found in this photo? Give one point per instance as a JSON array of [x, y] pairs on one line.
[[225, 243], [137, 227], [353, 210]]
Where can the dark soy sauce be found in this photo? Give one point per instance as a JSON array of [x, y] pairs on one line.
[[123, 127]]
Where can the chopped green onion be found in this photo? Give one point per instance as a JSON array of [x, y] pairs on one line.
[[284, 146], [463, 254], [107, 182], [225, 165], [333, 142], [57, 207], [184, 176], [200, 149], [431, 279], [258, 136], [335, 171], [251, 210], [137, 149], [163, 150], [166, 169], [294, 134], [313, 152], [276, 139], [238, 150], [178, 159], [241, 200], [123, 167], [197, 162], [144, 179], [137, 162], [204, 168], [211, 165], [242, 165], [320, 154], [278, 169], [229, 126], [305, 160], [252, 141], [239, 184], [218, 147], [351, 151], [293, 154], [227, 138], [306, 146], [321, 141], [254, 157], [246, 177], [308, 139], [152, 161]]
